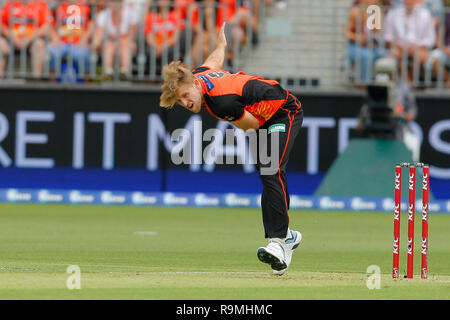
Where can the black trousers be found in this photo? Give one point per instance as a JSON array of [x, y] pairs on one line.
[[285, 124]]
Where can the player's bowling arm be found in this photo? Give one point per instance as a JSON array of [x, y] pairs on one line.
[[216, 59], [248, 121]]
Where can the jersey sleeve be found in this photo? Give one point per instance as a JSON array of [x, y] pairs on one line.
[[200, 69], [257, 90], [227, 107], [222, 95]]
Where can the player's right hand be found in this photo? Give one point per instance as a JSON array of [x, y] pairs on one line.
[[222, 39]]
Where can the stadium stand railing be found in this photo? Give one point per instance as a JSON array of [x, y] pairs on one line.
[[153, 39], [416, 54], [303, 43]]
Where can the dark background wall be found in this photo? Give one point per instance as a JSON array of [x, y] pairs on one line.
[[49, 123]]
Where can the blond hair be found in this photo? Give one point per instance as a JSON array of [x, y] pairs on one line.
[[175, 74]]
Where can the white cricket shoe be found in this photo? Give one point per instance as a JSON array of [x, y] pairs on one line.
[[279, 252], [290, 244], [273, 254]]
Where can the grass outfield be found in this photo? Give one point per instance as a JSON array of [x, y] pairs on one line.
[[192, 253]]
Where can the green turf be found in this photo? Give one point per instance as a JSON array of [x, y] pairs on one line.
[[190, 253]]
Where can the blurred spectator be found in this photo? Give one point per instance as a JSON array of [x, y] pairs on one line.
[[410, 33], [117, 26], [26, 23], [136, 10], [209, 28], [71, 34], [4, 52], [435, 7], [138, 7], [440, 57], [363, 44], [447, 45], [248, 15], [256, 12], [163, 33], [189, 13], [238, 16]]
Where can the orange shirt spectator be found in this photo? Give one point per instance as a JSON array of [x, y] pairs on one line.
[[164, 28], [226, 10], [70, 35], [187, 10], [25, 18], [71, 31], [26, 23], [238, 16]]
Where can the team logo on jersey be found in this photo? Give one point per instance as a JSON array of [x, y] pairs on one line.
[[277, 128], [208, 82]]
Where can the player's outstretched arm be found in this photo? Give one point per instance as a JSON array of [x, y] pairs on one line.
[[217, 57]]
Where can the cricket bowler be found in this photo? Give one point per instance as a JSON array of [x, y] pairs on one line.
[[248, 102]]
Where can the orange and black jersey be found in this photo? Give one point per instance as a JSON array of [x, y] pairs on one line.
[[228, 96]]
